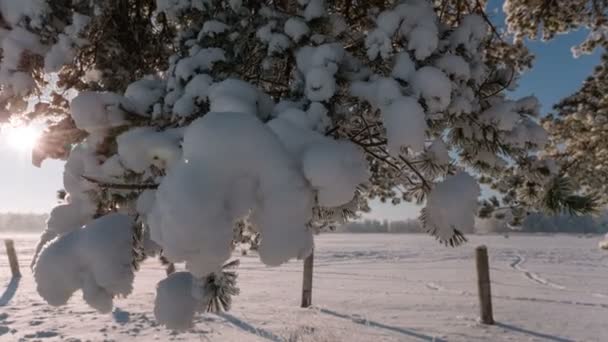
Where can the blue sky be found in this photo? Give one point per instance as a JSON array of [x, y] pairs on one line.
[[555, 74]]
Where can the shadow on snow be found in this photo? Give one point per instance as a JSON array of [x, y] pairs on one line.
[[9, 293], [374, 324]]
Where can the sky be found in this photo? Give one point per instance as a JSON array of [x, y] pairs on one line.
[[556, 74]]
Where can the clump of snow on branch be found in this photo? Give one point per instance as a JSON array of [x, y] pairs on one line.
[[452, 205], [95, 259], [200, 198]]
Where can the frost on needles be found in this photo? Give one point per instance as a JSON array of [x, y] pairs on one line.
[[259, 122]]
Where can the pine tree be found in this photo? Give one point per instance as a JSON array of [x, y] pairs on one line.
[[194, 125], [579, 125]]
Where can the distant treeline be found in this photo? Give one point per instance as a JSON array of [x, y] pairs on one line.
[[22, 222], [385, 226], [535, 223]]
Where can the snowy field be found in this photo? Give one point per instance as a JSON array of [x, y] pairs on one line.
[[366, 288]]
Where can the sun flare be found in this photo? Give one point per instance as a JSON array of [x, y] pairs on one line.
[[21, 138]]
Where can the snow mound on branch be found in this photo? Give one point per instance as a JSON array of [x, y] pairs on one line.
[[469, 34], [454, 66], [65, 218], [328, 56], [335, 169], [438, 151], [143, 94], [404, 67], [96, 259], [319, 66], [141, 147], [13, 11], [79, 208], [212, 28], [378, 43], [507, 115], [314, 9], [296, 29], [96, 112], [528, 132], [416, 23], [405, 124], [237, 96], [379, 93], [432, 85], [419, 27], [175, 304], [320, 84], [452, 204], [222, 178], [201, 61]]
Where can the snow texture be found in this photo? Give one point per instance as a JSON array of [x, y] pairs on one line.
[[405, 265], [142, 147], [434, 87], [201, 197], [95, 259], [95, 112], [452, 204], [175, 305], [405, 124]]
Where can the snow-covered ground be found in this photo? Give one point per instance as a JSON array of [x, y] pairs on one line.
[[366, 288]]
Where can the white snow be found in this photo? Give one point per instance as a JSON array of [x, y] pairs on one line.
[[378, 43], [212, 28], [142, 147], [367, 287], [296, 29], [404, 67], [14, 11], [432, 85], [335, 169], [469, 34], [201, 61], [320, 84], [438, 151], [175, 306], [405, 124], [97, 112], [379, 93], [452, 204], [455, 66], [314, 9], [144, 93], [218, 182], [95, 259]]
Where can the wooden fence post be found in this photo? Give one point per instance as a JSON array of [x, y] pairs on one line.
[[307, 281], [483, 285], [12, 257]]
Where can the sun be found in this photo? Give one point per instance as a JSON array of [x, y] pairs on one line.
[[22, 138]]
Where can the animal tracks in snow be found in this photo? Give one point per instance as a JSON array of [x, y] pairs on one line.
[[535, 277]]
